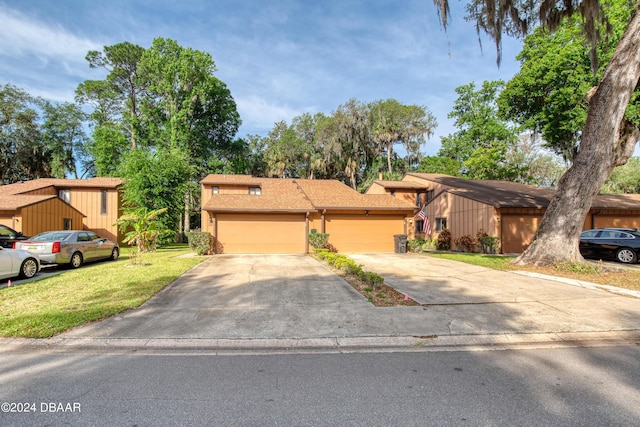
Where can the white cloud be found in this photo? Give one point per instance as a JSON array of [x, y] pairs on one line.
[[20, 36], [259, 115]]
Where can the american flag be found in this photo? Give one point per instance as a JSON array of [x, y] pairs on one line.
[[426, 227]]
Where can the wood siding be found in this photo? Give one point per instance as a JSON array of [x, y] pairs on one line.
[[464, 216], [49, 215], [11, 219], [89, 202]]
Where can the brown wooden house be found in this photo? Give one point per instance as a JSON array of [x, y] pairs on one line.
[[269, 215], [507, 210], [32, 207]]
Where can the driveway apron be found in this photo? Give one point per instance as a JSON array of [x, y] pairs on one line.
[[295, 296], [481, 299]]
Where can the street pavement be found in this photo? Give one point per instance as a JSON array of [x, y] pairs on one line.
[[239, 302]]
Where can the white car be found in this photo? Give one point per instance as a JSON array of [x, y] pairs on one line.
[[17, 262]]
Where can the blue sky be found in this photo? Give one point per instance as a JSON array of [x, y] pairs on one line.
[[279, 58]]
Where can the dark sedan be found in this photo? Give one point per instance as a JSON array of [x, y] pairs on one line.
[[8, 236], [621, 244]]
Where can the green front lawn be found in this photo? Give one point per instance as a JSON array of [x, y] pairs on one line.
[[93, 292], [594, 272]]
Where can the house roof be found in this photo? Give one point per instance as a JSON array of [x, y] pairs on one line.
[[14, 202], [15, 196], [505, 194], [36, 184], [400, 185], [295, 195]]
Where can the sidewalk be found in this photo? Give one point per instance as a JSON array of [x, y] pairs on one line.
[[294, 303]]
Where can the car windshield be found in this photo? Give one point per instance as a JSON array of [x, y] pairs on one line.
[[51, 236]]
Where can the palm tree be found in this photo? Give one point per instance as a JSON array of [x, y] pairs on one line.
[[142, 228]]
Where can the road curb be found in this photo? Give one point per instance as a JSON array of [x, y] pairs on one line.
[[322, 344]]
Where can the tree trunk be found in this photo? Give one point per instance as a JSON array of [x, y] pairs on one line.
[[187, 212], [608, 140]]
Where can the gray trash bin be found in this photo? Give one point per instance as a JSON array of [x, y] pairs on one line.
[[400, 243]]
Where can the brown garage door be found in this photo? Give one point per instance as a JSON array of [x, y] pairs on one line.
[[261, 234], [518, 232], [620, 221], [363, 233]]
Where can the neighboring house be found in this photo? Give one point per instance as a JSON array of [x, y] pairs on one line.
[[507, 210], [270, 215], [58, 204]]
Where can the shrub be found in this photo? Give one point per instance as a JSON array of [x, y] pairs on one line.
[[199, 242], [318, 240], [465, 243], [420, 245], [347, 265], [372, 279], [444, 240], [416, 245], [488, 244]]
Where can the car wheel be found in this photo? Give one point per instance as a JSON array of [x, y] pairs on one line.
[[115, 253], [76, 260], [627, 256], [29, 268]]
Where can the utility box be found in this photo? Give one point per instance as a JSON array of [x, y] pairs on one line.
[[400, 243]]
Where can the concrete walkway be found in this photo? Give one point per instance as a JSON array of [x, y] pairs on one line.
[[293, 301]]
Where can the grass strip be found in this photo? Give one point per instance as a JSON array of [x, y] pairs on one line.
[[55, 304], [593, 272]]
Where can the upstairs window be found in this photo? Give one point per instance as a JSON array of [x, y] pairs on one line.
[[255, 191], [65, 195], [429, 196], [215, 190], [103, 202]]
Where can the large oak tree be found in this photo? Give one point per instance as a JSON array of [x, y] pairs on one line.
[[608, 138]]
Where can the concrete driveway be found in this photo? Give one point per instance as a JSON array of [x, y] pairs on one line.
[[295, 297]]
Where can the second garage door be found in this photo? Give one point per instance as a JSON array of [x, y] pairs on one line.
[[518, 232], [261, 234], [363, 233]]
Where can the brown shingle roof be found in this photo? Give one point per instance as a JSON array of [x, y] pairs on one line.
[[505, 194], [401, 185], [37, 184], [16, 196], [295, 195], [14, 202], [276, 195]]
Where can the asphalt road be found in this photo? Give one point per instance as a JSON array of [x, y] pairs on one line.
[[571, 386]]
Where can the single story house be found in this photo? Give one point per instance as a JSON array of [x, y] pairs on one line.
[[245, 214], [44, 204], [507, 210]]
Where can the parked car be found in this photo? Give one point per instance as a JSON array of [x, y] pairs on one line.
[[621, 244], [70, 247], [8, 236], [16, 262]]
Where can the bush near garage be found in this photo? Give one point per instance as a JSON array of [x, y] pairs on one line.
[[199, 242]]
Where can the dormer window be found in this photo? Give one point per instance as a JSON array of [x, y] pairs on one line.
[[65, 195], [255, 191], [215, 190]]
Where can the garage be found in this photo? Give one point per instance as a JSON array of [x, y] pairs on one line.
[[261, 233], [363, 233], [518, 231], [619, 221]]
